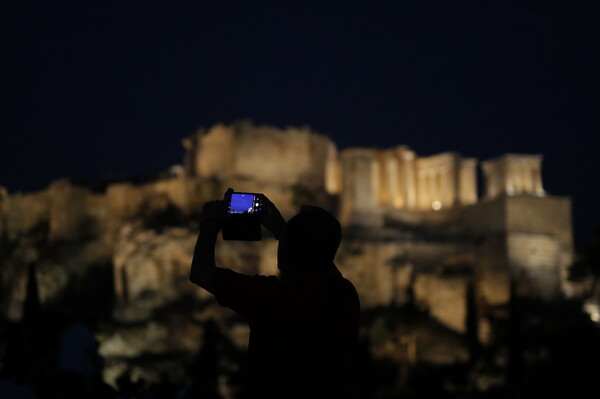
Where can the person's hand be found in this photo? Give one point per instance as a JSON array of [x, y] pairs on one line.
[[271, 218], [215, 211]]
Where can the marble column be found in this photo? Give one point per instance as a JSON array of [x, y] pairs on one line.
[[432, 185], [422, 195], [359, 182], [528, 177], [394, 197], [445, 189], [410, 185], [467, 182], [332, 171], [537, 181]]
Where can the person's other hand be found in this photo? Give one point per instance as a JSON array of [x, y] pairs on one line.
[[271, 218], [215, 211]]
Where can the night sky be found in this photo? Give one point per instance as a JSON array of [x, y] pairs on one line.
[[112, 88]]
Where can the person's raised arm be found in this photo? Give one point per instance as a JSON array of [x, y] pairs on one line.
[[203, 264]]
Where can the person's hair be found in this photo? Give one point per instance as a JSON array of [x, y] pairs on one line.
[[313, 236]]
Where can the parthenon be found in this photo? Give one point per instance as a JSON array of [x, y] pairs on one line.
[[365, 179]]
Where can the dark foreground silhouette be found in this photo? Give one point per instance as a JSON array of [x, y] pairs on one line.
[[304, 324]]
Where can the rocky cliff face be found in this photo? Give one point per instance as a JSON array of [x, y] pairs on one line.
[[146, 233], [123, 255], [119, 258]]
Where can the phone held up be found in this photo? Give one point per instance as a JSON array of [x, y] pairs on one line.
[[242, 221]]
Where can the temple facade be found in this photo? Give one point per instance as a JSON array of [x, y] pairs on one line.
[[364, 179]]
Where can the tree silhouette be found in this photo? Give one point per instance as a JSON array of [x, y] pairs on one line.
[[587, 265]]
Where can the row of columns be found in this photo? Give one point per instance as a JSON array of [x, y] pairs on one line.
[[436, 189], [370, 179], [514, 174]]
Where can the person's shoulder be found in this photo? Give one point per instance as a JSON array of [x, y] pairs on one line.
[[347, 284], [347, 289]]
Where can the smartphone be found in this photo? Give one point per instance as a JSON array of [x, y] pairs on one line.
[[242, 222]]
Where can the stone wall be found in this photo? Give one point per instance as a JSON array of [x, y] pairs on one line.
[[445, 298], [524, 236], [536, 263], [23, 212], [544, 215], [398, 272], [539, 243], [370, 266], [250, 152], [151, 269]]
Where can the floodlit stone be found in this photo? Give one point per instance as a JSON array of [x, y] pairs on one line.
[[414, 232]]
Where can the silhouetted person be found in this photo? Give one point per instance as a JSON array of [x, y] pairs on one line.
[[15, 374], [304, 324], [78, 361]]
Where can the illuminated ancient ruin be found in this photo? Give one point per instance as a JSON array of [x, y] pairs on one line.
[[415, 218], [415, 230]]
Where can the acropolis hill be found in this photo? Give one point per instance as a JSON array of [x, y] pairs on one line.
[[414, 227]]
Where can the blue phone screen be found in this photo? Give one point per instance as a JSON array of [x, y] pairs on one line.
[[241, 203]]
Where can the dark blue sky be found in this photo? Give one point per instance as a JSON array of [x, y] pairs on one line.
[[97, 88]]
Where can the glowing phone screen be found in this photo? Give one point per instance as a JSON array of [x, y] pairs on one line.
[[242, 203]]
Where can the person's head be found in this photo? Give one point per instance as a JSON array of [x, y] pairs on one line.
[[311, 240]]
